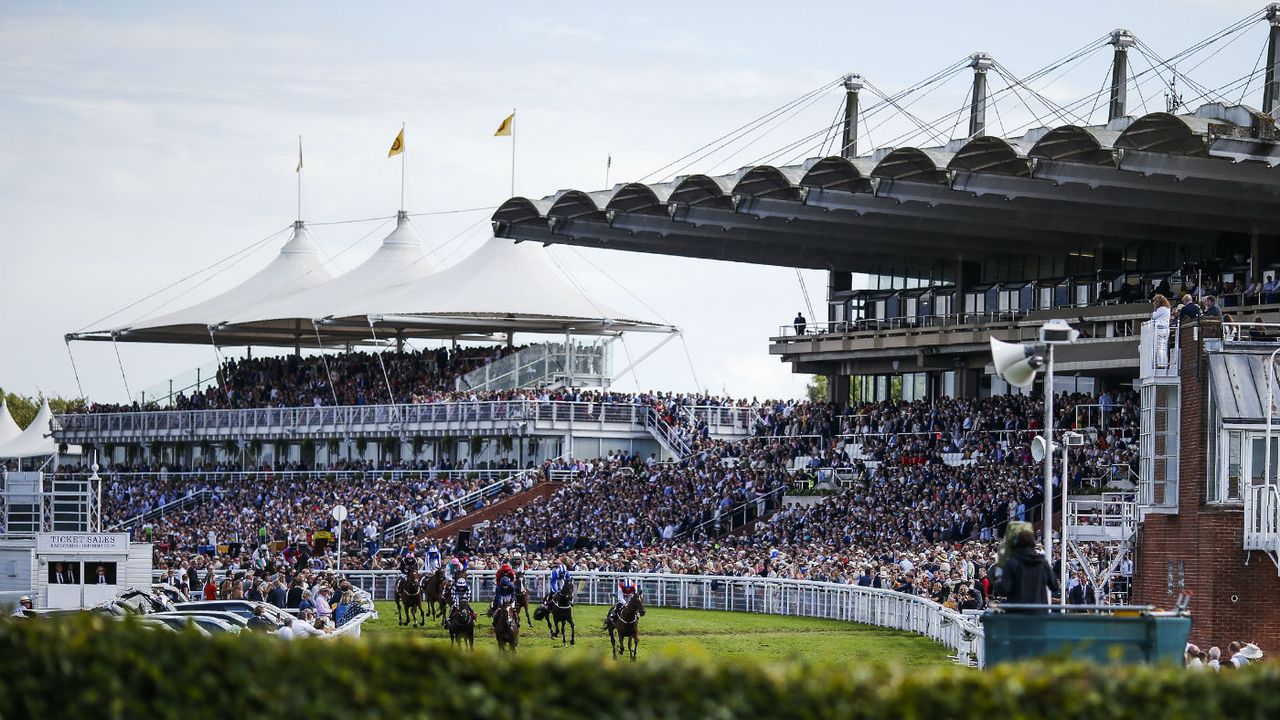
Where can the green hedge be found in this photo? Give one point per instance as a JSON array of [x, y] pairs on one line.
[[94, 667]]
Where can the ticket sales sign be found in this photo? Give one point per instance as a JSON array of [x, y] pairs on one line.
[[96, 543]]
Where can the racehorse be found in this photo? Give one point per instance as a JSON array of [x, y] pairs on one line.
[[522, 597], [462, 628], [556, 607], [626, 623], [434, 588], [506, 626], [409, 599]]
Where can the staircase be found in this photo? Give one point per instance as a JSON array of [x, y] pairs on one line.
[[195, 498], [489, 512], [1262, 520], [666, 435]]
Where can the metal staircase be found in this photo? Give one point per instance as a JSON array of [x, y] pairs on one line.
[[1262, 521], [1103, 526], [544, 365], [666, 435]]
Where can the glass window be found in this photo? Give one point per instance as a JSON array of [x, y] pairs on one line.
[[1046, 297], [1234, 469], [1258, 461]]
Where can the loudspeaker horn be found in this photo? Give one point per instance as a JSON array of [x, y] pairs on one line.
[[1015, 363]]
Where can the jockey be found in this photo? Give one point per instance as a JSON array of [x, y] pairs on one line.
[[560, 578], [460, 592], [504, 571], [433, 560], [453, 570], [408, 561], [517, 562], [622, 594], [504, 594]]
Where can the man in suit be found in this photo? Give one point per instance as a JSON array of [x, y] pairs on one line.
[[1081, 592], [101, 577], [63, 576]]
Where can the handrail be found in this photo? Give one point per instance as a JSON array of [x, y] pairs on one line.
[[236, 475], [160, 511], [729, 515], [666, 434], [773, 596], [408, 524]]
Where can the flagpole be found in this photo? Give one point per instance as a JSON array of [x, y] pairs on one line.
[[513, 152], [608, 165], [402, 161], [299, 178]]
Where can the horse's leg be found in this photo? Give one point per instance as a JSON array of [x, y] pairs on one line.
[[613, 647], [526, 613], [635, 644], [399, 621], [573, 630]]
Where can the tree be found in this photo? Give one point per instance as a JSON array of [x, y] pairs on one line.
[[817, 389], [23, 408]]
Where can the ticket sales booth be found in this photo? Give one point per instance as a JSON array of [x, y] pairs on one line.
[[81, 570]]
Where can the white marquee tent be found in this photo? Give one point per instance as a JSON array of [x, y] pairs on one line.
[[36, 440], [8, 428]]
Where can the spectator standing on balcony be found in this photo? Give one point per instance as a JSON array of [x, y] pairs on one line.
[[1189, 310], [800, 324], [1160, 323], [1211, 308]]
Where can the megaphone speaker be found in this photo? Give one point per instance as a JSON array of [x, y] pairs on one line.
[[1038, 448], [1015, 363]]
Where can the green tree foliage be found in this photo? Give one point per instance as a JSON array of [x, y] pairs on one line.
[[817, 389], [24, 407], [96, 667]]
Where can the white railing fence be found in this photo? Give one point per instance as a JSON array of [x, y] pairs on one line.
[[771, 596]]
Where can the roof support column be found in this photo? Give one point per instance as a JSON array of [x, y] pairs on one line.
[[1121, 40], [849, 145], [1271, 82], [980, 62]]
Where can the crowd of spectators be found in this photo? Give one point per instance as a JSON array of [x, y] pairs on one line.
[[925, 489], [357, 379]]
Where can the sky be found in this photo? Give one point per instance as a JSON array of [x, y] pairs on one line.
[[143, 142]]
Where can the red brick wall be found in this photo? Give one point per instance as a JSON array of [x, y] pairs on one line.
[[1229, 599]]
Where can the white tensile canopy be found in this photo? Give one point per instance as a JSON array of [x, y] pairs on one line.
[[398, 261], [297, 267], [503, 287], [8, 428], [36, 440]]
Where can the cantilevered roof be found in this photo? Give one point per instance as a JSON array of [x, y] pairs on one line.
[[1239, 383], [36, 440], [1174, 179]]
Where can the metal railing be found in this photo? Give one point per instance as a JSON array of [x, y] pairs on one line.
[[1156, 358], [236, 476], [194, 498], [1111, 516], [408, 525], [665, 434], [405, 420], [1262, 518], [772, 596], [726, 521], [1257, 332]]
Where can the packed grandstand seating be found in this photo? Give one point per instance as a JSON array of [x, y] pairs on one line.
[[919, 495], [297, 381]]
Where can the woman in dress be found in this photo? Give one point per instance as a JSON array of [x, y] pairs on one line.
[[1160, 323]]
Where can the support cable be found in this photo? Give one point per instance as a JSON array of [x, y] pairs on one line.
[[391, 396], [74, 370], [325, 361], [697, 385], [127, 392]]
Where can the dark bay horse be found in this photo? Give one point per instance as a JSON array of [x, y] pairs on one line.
[[506, 626], [557, 607], [462, 627], [522, 596], [434, 590], [409, 600], [626, 624]]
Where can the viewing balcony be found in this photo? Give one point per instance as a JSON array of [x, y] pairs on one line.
[[451, 419]]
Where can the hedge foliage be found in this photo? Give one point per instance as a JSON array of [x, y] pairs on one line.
[[95, 667]]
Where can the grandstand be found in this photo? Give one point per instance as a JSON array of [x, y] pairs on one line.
[[905, 477]]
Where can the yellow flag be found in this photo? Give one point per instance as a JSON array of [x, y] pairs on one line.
[[505, 127], [397, 147], [299, 168]]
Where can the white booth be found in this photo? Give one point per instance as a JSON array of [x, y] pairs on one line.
[[81, 570]]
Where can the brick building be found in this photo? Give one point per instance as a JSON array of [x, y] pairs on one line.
[[1208, 496]]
